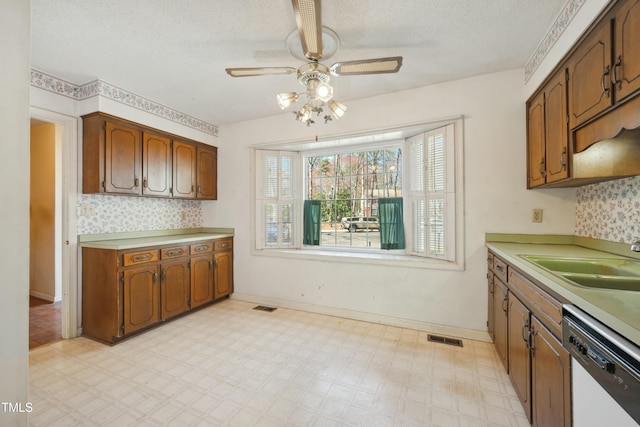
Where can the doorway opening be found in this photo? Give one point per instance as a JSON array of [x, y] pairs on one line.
[[53, 254]]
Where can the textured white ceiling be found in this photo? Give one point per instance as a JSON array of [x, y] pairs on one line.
[[175, 51]]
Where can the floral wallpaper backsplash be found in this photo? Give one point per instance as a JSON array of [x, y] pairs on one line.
[[116, 214], [609, 210]]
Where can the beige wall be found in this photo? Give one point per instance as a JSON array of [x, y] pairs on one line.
[[42, 212], [14, 211]]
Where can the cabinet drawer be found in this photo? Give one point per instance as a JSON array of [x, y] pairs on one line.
[[223, 244], [175, 252], [500, 268], [541, 304], [140, 257], [201, 248], [490, 260]]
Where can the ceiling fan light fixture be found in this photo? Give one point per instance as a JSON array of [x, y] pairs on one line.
[[286, 98], [304, 115], [337, 109]]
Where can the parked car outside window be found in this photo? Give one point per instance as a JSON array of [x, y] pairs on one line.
[[355, 223]]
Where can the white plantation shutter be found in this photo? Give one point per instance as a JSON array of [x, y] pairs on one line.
[[432, 193], [275, 203]]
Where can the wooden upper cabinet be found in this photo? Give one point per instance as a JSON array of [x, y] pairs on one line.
[[548, 134], [626, 54], [207, 181], [535, 142], [590, 76], [556, 129], [156, 165], [184, 170], [122, 157], [123, 168]]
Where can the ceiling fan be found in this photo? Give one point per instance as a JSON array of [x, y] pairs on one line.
[[317, 42]]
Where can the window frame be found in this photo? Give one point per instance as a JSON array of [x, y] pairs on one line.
[[365, 141]]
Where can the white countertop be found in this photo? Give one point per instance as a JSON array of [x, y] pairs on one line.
[[120, 241]]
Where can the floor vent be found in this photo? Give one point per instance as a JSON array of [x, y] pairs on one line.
[[444, 340], [265, 308]]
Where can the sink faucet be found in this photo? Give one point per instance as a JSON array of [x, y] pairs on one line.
[[635, 246]]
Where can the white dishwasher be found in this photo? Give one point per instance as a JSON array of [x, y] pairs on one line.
[[605, 372]]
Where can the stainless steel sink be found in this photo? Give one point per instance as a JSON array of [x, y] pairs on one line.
[[603, 273]]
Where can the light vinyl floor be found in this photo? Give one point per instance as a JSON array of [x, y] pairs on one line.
[[231, 365]]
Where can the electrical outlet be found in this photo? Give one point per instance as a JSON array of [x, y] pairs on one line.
[[87, 209], [183, 215], [537, 215]]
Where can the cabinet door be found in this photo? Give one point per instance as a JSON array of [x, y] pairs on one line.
[[536, 142], [551, 379], [123, 163], [207, 173], [500, 320], [175, 289], [184, 170], [156, 165], [223, 273], [590, 76], [627, 49], [141, 298], [556, 129], [519, 355], [490, 317], [201, 280]]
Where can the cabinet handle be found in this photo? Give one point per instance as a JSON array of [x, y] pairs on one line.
[[138, 258], [605, 90], [530, 341], [144, 183], [155, 277], [525, 338], [563, 163], [614, 80], [199, 187], [210, 264], [491, 285], [164, 275], [223, 245], [542, 167], [505, 304], [499, 268], [136, 181], [175, 252], [201, 248]]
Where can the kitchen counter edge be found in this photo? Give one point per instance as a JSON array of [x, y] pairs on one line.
[[132, 240]]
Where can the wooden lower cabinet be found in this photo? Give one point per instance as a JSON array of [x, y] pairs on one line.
[[141, 296], [519, 354], [551, 378], [500, 331], [201, 280], [127, 291], [526, 335], [223, 273], [174, 288]]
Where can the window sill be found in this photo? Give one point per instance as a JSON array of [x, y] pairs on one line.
[[377, 258]]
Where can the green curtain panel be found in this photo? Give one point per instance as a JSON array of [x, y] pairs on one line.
[[391, 225], [312, 218]]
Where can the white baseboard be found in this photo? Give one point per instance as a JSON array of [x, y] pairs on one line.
[[449, 331], [45, 297]]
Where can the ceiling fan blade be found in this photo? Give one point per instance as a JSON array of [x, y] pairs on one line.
[[260, 71], [367, 66], [309, 19]]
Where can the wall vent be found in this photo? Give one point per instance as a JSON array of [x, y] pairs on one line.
[[444, 340], [265, 308]]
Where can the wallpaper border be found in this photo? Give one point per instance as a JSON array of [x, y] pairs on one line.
[[553, 34], [48, 82]]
